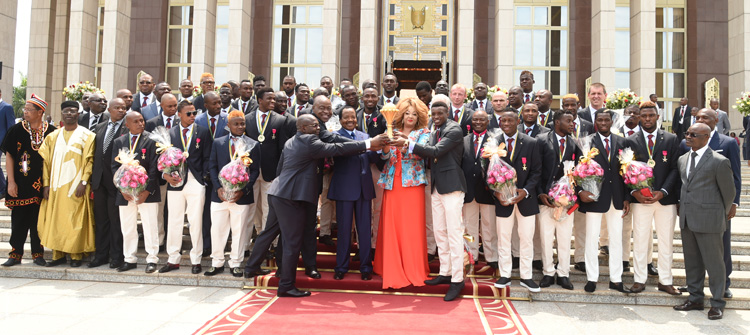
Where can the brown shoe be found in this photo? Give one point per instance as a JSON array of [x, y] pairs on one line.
[[715, 313], [637, 288], [689, 306], [669, 289]]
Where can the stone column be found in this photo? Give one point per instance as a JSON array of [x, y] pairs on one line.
[[115, 53], [41, 49], [643, 47], [82, 40], [60, 58], [368, 41], [8, 11], [739, 56], [331, 40], [503, 39], [465, 44], [204, 38], [603, 42], [238, 59]]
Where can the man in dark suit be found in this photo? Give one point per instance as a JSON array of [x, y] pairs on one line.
[[109, 239], [479, 206], [727, 147], [7, 117], [480, 99], [660, 150], [187, 196], [518, 212], [207, 85], [529, 125], [597, 94], [350, 97], [526, 81], [681, 118], [138, 142], [556, 147], [448, 186], [98, 113], [301, 99], [352, 189], [294, 192], [145, 96], [515, 98], [186, 91], [424, 92], [154, 109], [611, 204], [543, 100], [390, 84], [570, 104], [499, 101], [373, 124], [706, 199], [246, 103], [458, 111]]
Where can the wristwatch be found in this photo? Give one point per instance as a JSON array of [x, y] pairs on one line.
[[84, 183]]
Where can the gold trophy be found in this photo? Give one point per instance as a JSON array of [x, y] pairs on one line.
[[389, 112]]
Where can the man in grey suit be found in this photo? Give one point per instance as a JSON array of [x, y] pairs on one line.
[[723, 125], [705, 201]]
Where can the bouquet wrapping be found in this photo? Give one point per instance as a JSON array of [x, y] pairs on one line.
[[588, 173], [131, 177], [500, 176], [171, 159], [637, 175], [234, 176], [563, 193]]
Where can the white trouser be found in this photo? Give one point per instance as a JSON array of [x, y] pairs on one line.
[[524, 227], [226, 216], [258, 209], [449, 232], [478, 215], [627, 233], [129, 227], [429, 233], [377, 202], [537, 240], [579, 237], [551, 228], [593, 227], [663, 218], [160, 212], [192, 193], [603, 235], [327, 207]]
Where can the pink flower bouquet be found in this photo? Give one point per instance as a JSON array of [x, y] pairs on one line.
[[589, 174], [235, 175], [637, 175], [500, 176], [171, 160], [130, 178], [563, 194]]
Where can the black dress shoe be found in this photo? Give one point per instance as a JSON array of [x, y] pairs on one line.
[[115, 264], [196, 269], [619, 287], [150, 267], [169, 267], [565, 283], [728, 294], [547, 281], [604, 249], [515, 263], [715, 313], [96, 263], [689, 306], [253, 273], [327, 240], [366, 275], [293, 293], [11, 262], [126, 266], [56, 262], [213, 271], [653, 271], [453, 291], [580, 266], [590, 287], [40, 261], [75, 263], [536, 265], [312, 273], [438, 280], [625, 266], [236, 272], [338, 275]]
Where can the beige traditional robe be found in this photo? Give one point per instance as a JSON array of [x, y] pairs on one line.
[[66, 222]]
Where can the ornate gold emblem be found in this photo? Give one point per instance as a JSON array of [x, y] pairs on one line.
[[418, 17]]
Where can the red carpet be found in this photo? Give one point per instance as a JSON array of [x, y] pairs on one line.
[[340, 313]]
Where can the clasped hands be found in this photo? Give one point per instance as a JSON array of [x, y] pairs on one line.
[[383, 142]]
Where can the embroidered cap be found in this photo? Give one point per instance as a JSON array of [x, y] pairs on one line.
[[37, 101]]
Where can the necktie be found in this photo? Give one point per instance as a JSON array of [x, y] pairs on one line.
[[367, 118], [184, 135], [388, 101], [132, 141], [544, 118], [231, 154], [213, 126], [575, 129], [510, 147], [562, 147], [481, 105], [528, 130], [455, 116], [527, 97], [169, 123], [94, 122], [692, 162], [606, 146], [145, 101], [476, 144], [299, 109], [351, 134], [437, 135], [650, 143], [289, 102], [244, 105], [630, 132], [109, 137], [262, 120]]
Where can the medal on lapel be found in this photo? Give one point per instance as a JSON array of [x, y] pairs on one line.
[[197, 143], [143, 153], [664, 153], [523, 160], [375, 122], [273, 136]]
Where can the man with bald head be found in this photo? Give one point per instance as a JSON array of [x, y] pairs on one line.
[[145, 96], [97, 114], [441, 87], [106, 215], [543, 100], [154, 109], [126, 96], [460, 112], [499, 101], [480, 98], [723, 125]]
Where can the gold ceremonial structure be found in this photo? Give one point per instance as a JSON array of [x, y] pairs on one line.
[[711, 89], [389, 112], [418, 17]]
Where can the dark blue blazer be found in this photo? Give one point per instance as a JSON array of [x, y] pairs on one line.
[[666, 173], [7, 118], [352, 177], [613, 187], [526, 148], [728, 147], [552, 166], [198, 154], [220, 158], [221, 124], [146, 155], [151, 111], [471, 164]]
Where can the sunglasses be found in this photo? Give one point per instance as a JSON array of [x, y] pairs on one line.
[[145, 82], [691, 134], [191, 113]]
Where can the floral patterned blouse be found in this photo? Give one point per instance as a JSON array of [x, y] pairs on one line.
[[412, 166]]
